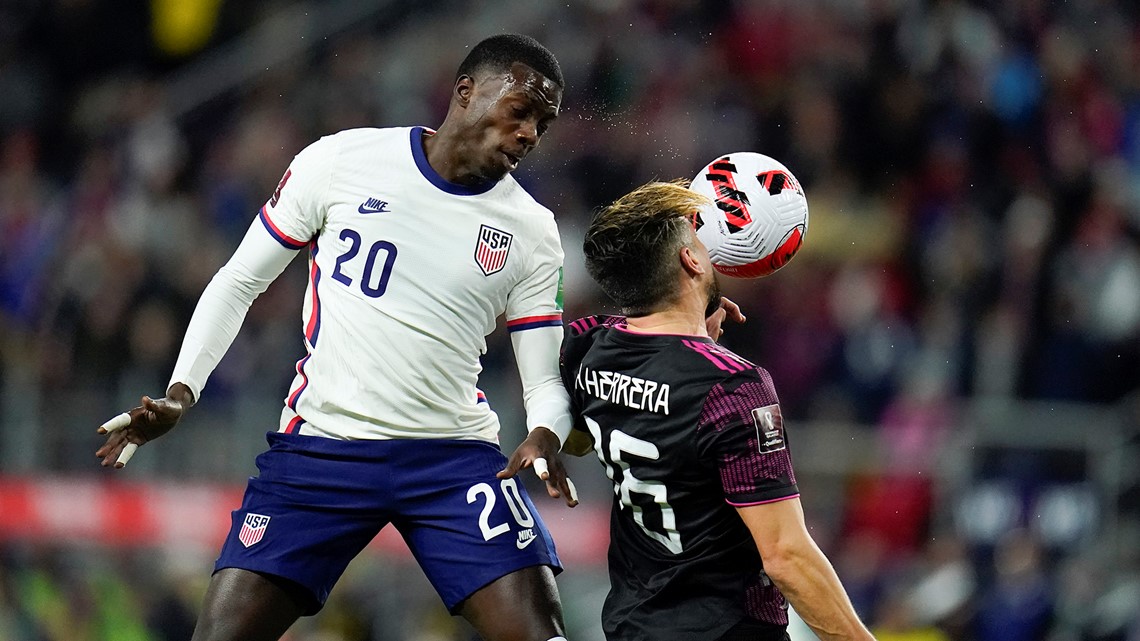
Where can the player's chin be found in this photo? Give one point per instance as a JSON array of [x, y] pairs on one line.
[[494, 172]]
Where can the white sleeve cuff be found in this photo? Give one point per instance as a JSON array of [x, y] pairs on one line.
[[556, 419]]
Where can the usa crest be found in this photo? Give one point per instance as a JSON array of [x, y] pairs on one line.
[[253, 528], [492, 249]]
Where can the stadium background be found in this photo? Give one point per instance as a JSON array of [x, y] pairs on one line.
[[957, 347]]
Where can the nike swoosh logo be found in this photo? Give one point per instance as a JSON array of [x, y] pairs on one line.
[[373, 206], [522, 544]]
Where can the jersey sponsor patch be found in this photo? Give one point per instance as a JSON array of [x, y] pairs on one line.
[[769, 429], [492, 248], [253, 528]]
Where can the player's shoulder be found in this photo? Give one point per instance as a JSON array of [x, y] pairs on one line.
[[522, 202], [367, 138], [581, 335], [720, 365], [349, 140], [739, 386], [592, 324]]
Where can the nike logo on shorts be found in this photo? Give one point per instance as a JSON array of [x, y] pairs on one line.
[[526, 537]]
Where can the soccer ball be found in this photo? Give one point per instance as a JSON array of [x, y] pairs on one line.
[[758, 217]]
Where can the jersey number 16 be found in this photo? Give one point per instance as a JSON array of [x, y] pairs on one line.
[[622, 447]]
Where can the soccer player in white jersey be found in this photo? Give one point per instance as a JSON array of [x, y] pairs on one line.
[[417, 241]]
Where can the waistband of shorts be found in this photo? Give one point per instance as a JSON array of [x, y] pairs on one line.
[[370, 449]]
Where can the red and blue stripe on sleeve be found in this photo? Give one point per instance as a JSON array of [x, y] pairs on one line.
[[286, 241], [531, 322]]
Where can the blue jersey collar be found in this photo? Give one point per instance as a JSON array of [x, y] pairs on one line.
[[434, 178]]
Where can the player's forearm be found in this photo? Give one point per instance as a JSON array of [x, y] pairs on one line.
[[546, 400], [807, 580]]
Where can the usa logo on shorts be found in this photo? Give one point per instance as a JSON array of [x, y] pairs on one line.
[[253, 528], [491, 250]]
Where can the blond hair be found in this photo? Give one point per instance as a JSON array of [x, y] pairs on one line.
[[631, 246]]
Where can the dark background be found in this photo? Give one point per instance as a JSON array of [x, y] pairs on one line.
[[956, 347]]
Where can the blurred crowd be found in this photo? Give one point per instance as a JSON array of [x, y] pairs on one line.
[[82, 593], [76, 593], [972, 169]]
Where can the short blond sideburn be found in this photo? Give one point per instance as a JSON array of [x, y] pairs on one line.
[[631, 246]]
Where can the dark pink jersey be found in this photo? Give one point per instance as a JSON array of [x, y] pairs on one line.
[[686, 430]]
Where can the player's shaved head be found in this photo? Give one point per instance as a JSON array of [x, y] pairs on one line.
[[497, 53], [631, 247]]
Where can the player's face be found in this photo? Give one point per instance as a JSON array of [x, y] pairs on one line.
[[714, 296], [712, 285], [507, 117]]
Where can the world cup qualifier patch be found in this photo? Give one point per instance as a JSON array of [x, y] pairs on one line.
[[492, 248], [769, 429]]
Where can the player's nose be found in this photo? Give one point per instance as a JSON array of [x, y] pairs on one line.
[[527, 134]]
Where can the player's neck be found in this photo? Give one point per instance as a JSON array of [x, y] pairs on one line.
[[684, 315], [446, 157], [673, 320]]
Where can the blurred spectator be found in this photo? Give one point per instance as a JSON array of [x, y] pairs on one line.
[[943, 592], [896, 622], [1018, 606]]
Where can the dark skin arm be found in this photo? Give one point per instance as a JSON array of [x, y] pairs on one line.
[[149, 421], [542, 443]]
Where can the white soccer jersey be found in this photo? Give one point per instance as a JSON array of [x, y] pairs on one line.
[[407, 275]]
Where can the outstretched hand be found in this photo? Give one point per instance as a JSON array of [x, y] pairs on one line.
[[727, 310], [540, 451], [127, 431]]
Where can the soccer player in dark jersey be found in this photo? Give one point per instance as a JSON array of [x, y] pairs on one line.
[[707, 535]]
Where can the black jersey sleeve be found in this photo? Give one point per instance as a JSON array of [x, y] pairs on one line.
[[741, 434]]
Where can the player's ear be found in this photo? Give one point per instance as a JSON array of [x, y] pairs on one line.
[[464, 90], [690, 262]]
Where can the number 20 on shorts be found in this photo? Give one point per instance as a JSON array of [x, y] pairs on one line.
[[510, 491]]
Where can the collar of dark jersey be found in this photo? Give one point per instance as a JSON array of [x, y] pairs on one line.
[[626, 335], [434, 178]]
